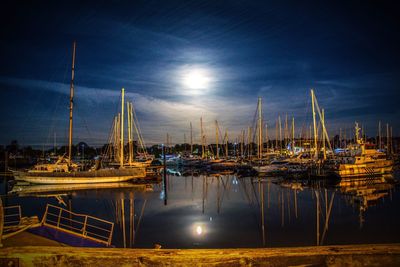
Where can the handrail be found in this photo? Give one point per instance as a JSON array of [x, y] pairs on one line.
[[78, 214], [75, 221], [17, 214], [83, 225]]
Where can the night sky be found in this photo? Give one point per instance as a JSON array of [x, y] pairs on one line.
[[348, 52]]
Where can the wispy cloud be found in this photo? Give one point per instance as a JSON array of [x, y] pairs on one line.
[[159, 116]]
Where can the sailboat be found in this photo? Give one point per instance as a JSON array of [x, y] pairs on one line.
[[112, 155], [64, 171]]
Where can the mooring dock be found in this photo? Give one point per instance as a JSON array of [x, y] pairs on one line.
[[349, 255]]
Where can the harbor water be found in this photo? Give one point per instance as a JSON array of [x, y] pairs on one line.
[[227, 211]]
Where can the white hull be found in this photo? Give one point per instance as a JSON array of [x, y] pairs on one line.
[[88, 177]]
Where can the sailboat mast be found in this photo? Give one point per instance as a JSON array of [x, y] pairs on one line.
[[226, 145], [71, 103], [191, 139], [280, 133], [248, 142], [391, 139], [380, 136], [276, 135], [216, 139], [121, 160], [129, 109], [387, 138], [315, 125], [260, 141], [266, 136], [323, 135], [242, 145], [293, 134], [286, 131], [202, 138]]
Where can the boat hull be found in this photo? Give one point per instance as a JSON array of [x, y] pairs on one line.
[[86, 177], [364, 170]]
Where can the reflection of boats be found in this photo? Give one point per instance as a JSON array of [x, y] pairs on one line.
[[366, 192], [64, 171], [22, 190], [292, 185], [368, 162]]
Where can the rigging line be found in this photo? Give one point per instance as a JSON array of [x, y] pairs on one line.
[[52, 127], [137, 128], [28, 118], [81, 115], [111, 129], [137, 125], [254, 125]]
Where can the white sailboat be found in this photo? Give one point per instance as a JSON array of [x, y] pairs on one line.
[[64, 171]]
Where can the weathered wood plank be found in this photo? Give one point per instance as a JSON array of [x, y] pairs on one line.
[[351, 255]]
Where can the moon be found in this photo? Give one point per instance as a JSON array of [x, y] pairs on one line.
[[199, 230], [196, 79]]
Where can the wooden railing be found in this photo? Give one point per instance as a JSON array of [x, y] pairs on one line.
[[12, 216], [82, 225]]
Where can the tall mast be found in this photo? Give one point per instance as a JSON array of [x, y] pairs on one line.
[[202, 138], [115, 139], [323, 130], [391, 139], [242, 144], [260, 141], [71, 103], [286, 131], [380, 135], [216, 138], [266, 136], [276, 135], [315, 125], [280, 133], [248, 142], [132, 137], [293, 134], [191, 139], [226, 147], [121, 159], [129, 109], [387, 138]]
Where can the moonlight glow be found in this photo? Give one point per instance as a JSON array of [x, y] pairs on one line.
[[199, 230], [196, 79]]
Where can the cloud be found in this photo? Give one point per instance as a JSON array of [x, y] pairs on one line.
[[234, 109]]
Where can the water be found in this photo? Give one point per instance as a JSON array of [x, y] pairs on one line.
[[226, 212]]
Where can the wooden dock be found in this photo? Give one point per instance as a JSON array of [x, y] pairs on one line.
[[349, 255]]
